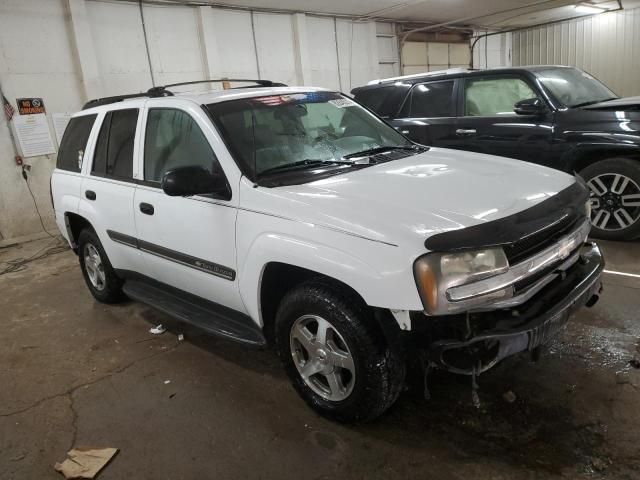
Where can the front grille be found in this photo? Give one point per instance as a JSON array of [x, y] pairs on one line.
[[532, 244], [525, 283]]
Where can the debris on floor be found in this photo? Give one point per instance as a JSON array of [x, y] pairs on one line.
[[598, 464], [158, 330], [180, 337], [85, 463], [622, 377], [167, 382], [509, 396]]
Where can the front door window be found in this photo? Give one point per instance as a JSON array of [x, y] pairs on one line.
[[488, 97]]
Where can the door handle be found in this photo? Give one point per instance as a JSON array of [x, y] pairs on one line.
[[90, 194], [146, 208], [465, 131]]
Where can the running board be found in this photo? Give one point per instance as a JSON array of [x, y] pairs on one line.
[[212, 318]]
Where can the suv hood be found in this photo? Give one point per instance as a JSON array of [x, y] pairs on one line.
[[618, 103], [408, 200]]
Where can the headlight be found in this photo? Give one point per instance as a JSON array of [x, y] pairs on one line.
[[436, 273]]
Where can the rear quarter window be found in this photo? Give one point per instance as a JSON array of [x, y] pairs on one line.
[[74, 142], [385, 101]]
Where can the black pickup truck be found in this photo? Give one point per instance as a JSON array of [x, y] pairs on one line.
[[556, 116]]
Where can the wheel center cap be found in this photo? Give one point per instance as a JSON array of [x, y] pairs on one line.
[[322, 355]]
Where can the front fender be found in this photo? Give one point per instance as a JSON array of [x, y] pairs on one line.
[[376, 273], [600, 146]]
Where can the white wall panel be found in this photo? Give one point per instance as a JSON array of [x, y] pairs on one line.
[[606, 45], [234, 43], [36, 60], [275, 42], [174, 46], [321, 36], [185, 43], [388, 58], [116, 29], [496, 50], [359, 56]]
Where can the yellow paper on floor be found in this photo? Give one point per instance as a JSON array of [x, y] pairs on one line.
[[85, 463]]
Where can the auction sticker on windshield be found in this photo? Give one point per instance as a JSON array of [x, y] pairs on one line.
[[342, 102]]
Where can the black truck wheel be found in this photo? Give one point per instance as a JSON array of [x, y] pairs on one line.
[[615, 198]]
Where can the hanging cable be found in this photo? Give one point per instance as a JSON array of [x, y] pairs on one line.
[[35, 204], [255, 44], [19, 264], [335, 34], [146, 43]]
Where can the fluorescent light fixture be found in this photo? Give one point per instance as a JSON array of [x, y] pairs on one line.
[[589, 9]]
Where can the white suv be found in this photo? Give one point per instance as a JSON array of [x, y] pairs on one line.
[[298, 217]]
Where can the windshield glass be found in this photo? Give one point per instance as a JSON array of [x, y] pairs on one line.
[[574, 88], [277, 133]]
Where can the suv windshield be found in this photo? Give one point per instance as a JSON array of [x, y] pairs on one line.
[[574, 88], [302, 131]]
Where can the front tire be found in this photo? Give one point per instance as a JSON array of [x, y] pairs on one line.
[[101, 279], [335, 355], [615, 198]]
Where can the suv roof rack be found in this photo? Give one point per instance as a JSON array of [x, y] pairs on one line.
[[448, 71], [162, 91]]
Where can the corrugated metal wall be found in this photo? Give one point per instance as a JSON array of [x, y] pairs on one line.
[[606, 45]]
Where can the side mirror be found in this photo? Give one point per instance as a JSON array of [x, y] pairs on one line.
[[194, 180], [529, 106]]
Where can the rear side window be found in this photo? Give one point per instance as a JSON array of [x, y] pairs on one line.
[[494, 96], [385, 101], [430, 100], [173, 139], [74, 142], [114, 150]]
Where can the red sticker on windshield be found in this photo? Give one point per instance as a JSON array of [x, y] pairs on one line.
[[275, 100]]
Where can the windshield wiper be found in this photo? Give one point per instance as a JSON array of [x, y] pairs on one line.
[[384, 148], [593, 102], [302, 164]]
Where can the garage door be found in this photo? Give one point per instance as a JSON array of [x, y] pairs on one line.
[[420, 57]]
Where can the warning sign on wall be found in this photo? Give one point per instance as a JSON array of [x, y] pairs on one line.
[[30, 106]]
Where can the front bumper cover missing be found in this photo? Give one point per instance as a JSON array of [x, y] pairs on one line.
[[527, 327]]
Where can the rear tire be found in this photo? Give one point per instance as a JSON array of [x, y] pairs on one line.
[[101, 279], [350, 373], [615, 198]]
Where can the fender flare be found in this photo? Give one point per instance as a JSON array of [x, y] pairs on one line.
[[323, 259], [573, 157]]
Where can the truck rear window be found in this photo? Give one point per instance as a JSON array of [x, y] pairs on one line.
[[74, 142]]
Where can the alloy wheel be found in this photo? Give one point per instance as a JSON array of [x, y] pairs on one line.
[[322, 357], [94, 266], [615, 201]]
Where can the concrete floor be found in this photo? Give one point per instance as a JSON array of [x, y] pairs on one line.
[[77, 373]]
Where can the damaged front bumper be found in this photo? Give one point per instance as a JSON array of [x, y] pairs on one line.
[[471, 344]]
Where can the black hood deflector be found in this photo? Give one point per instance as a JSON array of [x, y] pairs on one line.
[[564, 208]]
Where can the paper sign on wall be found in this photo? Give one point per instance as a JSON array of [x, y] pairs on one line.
[[60, 121], [30, 106], [33, 135]]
